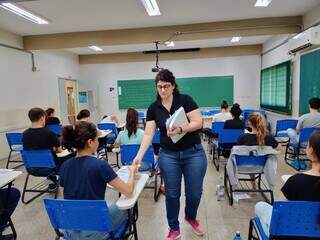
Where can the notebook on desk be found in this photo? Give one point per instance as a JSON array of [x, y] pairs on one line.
[[124, 174], [178, 119]]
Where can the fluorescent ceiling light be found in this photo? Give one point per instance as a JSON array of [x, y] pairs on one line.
[[23, 13], [152, 7], [169, 43], [95, 48], [235, 39], [262, 3]]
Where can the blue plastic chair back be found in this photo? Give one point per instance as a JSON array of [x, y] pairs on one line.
[[56, 128], [129, 151], [156, 137], [83, 215], [229, 135], [38, 158], [251, 160], [305, 135], [141, 114], [14, 139], [295, 219], [216, 127], [108, 126], [285, 124]]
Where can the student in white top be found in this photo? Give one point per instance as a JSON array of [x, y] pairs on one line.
[[224, 115]]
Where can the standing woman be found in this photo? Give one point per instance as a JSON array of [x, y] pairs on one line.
[[186, 157]]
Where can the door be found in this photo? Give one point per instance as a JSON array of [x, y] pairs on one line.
[[68, 103]]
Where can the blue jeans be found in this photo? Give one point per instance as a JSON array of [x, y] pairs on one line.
[[192, 164], [117, 217], [13, 200]]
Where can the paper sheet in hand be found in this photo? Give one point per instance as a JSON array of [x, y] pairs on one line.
[[124, 173], [178, 119]]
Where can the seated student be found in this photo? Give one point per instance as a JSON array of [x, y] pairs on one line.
[[308, 120], [224, 114], [299, 187], [235, 122], [110, 119], [258, 136], [13, 201], [83, 115], [39, 137], [51, 119], [85, 177], [131, 134]]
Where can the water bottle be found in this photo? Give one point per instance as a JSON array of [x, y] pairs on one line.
[[220, 189], [237, 236]]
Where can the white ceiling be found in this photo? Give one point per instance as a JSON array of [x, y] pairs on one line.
[[91, 15], [178, 45]]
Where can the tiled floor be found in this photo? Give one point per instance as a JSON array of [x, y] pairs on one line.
[[220, 220]]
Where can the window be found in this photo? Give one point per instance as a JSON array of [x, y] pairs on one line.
[[276, 88]]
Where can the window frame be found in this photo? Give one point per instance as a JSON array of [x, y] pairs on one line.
[[287, 109]]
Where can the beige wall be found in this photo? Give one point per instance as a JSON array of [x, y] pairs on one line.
[[10, 39]]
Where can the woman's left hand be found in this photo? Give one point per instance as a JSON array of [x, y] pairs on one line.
[[173, 131]]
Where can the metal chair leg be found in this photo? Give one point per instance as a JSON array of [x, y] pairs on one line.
[[7, 165]]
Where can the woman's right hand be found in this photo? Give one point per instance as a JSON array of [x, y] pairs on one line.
[[137, 161], [133, 169]]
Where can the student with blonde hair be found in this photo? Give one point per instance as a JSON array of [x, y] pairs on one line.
[[259, 134]]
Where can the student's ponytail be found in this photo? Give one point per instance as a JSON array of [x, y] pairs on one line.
[[77, 136], [258, 122]]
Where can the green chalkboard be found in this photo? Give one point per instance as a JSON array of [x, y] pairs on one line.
[[206, 91], [309, 79]]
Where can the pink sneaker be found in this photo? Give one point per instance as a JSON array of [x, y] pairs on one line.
[[173, 235], [196, 226]]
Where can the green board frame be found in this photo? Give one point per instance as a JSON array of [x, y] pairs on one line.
[[206, 91]]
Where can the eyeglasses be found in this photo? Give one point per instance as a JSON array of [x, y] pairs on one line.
[[164, 87]]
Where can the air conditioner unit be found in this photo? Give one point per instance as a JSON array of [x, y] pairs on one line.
[[303, 40]]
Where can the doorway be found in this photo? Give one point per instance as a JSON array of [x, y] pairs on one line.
[[68, 103]]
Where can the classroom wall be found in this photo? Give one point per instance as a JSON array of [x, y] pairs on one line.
[[22, 89], [10, 39], [246, 71], [279, 55], [312, 17]]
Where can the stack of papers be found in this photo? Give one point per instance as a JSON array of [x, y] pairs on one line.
[[178, 119], [124, 173]]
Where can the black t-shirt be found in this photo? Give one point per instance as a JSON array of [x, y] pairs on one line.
[[249, 139], [85, 178], [233, 124], [52, 120], [302, 187], [158, 113], [39, 138]]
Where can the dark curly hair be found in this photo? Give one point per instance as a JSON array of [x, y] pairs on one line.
[[77, 136]]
